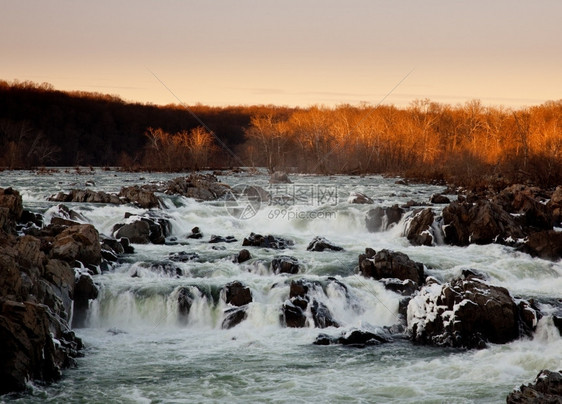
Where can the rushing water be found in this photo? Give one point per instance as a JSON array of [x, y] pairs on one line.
[[139, 350]]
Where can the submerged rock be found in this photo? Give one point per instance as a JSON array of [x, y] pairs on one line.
[[285, 264], [359, 198], [269, 241], [144, 230], [381, 219], [302, 303], [356, 338], [321, 244]]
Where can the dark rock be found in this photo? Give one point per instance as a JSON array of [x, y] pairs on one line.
[[356, 338], [405, 288], [294, 316], [294, 310], [84, 291], [220, 239], [388, 264], [185, 301], [233, 316], [381, 219], [463, 313], [269, 241], [113, 245], [127, 247], [359, 198], [183, 256], [145, 230], [88, 195], [11, 209], [439, 199], [555, 206], [29, 218], [279, 177], [525, 202], [544, 244], [481, 223], [195, 233], [243, 256], [237, 294], [321, 244], [285, 264], [198, 186], [162, 268], [546, 389], [419, 230]]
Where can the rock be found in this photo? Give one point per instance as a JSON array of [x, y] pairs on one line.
[[356, 338], [388, 264], [463, 313], [144, 230], [285, 264], [269, 241], [183, 256], [84, 291], [555, 206], [78, 243], [195, 233], [419, 229], [525, 203], [359, 198], [11, 209], [220, 239], [381, 219], [113, 245], [161, 268], [237, 294], [141, 197], [546, 389], [64, 212], [88, 195], [544, 244], [198, 186], [243, 256], [405, 288], [481, 223], [439, 199], [185, 298], [302, 301], [233, 316], [279, 177], [321, 244], [29, 218]]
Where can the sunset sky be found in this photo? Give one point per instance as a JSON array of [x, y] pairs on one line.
[[289, 52]]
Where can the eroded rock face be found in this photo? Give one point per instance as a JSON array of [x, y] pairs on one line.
[[11, 209], [285, 264], [419, 230], [321, 244], [78, 243], [482, 222], [546, 389], [141, 197], [381, 219], [544, 244], [463, 313], [389, 264]]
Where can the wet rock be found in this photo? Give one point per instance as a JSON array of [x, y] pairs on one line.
[[419, 230], [463, 313], [243, 256], [359, 198], [220, 239], [162, 268], [555, 206], [321, 244], [237, 294], [84, 291], [525, 203], [11, 209], [144, 230], [279, 177], [233, 316], [203, 187], [285, 264], [78, 243], [113, 245], [544, 244], [405, 288], [29, 218], [87, 195], [381, 219], [195, 233], [483, 222], [183, 256], [389, 264], [439, 199], [301, 301], [269, 241], [546, 389], [140, 196], [356, 338]]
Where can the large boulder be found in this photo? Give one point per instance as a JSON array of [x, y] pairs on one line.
[[285, 264], [382, 218], [198, 186], [546, 389], [544, 244], [360, 198], [11, 209], [269, 241], [85, 195], [143, 230], [84, 291], [142, 197], [419, 230], [464, 313], [356, 338], [321, 244], [390, 264], [279, 177], [483, 222], [78, 243], [237, 294], [555, 206]]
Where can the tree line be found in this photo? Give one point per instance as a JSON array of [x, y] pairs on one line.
[[40, 126]]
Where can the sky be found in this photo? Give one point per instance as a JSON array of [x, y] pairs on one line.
[[294, 53]]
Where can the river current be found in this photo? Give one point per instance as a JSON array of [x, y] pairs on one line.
[[138, 350]]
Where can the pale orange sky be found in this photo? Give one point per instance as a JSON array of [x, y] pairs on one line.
[[289, 52]]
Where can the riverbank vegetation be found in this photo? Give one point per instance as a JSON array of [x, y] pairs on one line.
[[467, 144]]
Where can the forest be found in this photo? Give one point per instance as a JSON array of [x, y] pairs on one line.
[[463, 144]]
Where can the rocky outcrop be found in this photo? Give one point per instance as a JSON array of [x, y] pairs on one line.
[[465, 313], [143, 229], [279, 177], [359, 198], [86, 195], [438, 199], [544, 244], [483, 222], [285, 264], [78, 243], [321, 244], [203, 187], [389, 264], [141, 197], [242, 256], [546, 389], [238, 295], [11, 209], [303, 307], [555, 206], [269, 241], [419, 229], [356, 338], [381, 219], [526, 203]]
